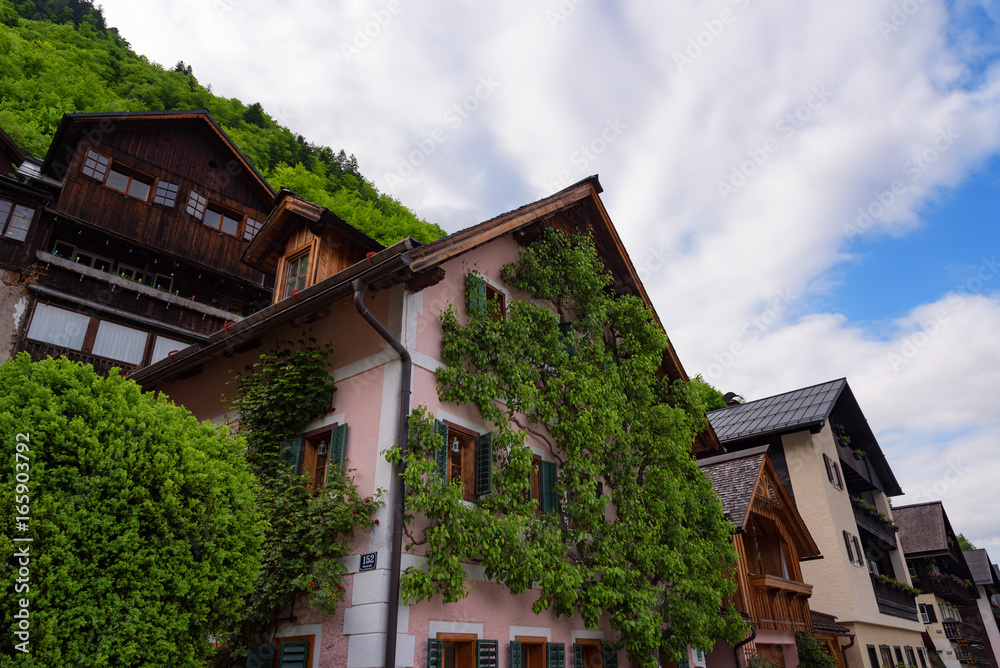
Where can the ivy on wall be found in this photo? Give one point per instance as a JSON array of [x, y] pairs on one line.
[[576, 367]]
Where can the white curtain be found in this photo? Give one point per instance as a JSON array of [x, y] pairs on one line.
[[163, 345], [58, 326], [120, 343]]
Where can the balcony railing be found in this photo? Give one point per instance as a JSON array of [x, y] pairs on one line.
[[946, 587], [882, 531], [102, 365], [780, 604], [894, 601]]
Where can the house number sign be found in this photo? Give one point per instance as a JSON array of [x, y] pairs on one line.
[[368, 561]]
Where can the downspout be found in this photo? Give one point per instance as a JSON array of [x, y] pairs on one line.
[[847, 646], [736, 647], [395, 557]]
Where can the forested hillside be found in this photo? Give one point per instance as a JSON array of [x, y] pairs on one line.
[[59, 56]]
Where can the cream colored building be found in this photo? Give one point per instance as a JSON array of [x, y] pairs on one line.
[[831, 464]]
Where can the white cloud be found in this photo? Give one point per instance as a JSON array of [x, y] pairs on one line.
[[846, 99]]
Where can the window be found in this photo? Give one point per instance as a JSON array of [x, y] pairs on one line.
[[251, 229], [528, 652], [15, 219], [462, 650], [853, 549], [873, 656], [291, 652], [120, 343], [131, 273], [196, 205], [466, 458], [93, 260], [296, 274], [131, 184], [319, 453], [482, 299], [886, 656], [927, 615], [58, 327], [899, 654], [833, 472], [95, 165], [588, 653], [227, 222], [163, 282], [911, 660], [166, 193], [920, 655], [162, 346]]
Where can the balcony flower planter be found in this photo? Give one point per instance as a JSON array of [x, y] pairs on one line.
[[892, 582], [872, 510]]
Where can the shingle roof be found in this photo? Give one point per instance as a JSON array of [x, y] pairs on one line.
[[979, 565], [922, 527], [807, 406], [734, 477]]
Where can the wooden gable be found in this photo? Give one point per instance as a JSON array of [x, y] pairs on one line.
[[771, 500], [11, 155]]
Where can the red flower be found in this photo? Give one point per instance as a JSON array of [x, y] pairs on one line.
[[376, 521], [340, 587], [310, 584]]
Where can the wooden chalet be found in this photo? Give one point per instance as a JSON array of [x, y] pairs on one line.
[[770, 538], [136, 253]]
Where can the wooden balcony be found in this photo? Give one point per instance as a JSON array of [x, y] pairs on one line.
[[779, 604], [874, 528], [894, 601], [944, 586], [960, 631], [102, 365]]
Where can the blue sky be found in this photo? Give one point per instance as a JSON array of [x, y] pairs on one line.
[[736, 141]]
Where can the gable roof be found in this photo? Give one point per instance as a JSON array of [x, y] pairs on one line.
[[734, 477], [71, 127], [923, 528], [791, 411], [747, 479], [11, 148], [979, 565]]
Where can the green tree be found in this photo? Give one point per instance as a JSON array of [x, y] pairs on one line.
[[964, 543], [143, 526], [651, 553]]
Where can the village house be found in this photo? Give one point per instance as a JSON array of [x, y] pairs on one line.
[[380, 308], [831, 465], [123, 244]]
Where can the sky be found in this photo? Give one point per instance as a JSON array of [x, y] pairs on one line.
[[809, 190]]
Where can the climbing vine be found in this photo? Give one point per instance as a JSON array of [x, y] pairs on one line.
[[308, 531], [575, 368]]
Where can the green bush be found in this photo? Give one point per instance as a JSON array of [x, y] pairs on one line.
[[813, 652]]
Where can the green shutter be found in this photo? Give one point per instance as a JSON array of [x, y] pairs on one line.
[[548, 476], [294, 655], [441, 453], [577, 655], [610, 656], [568, 334], [291, 454], [487, 654], [475, 294], [516, 654], [260, 656], [484, 464], [338, 444], [435, 653], [556, 654]]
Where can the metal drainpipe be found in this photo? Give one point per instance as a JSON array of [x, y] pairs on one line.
[[395, 556], [736, 647], [847, 646]]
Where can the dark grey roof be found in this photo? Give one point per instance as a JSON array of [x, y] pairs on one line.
[[734, 477], [922, 527], [979, 565], [783, 412]]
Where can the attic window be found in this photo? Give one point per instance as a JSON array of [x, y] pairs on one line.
[[166, 193], [251, 229], [227, 222], [295, 276], [196, 205], [95, 165]]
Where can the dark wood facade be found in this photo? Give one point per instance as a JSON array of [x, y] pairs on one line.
[[140, 239]]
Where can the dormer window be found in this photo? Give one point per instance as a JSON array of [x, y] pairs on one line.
[[297, 273]]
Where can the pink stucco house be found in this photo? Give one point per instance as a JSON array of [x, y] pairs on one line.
[[380, 310]]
